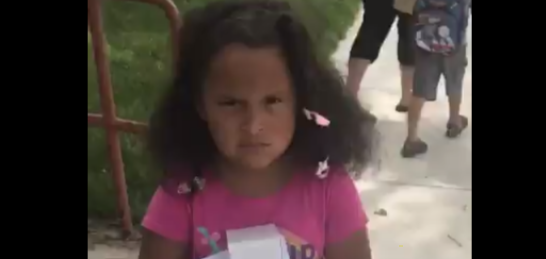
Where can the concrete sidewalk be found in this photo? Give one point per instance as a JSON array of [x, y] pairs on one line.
[[428, 199]]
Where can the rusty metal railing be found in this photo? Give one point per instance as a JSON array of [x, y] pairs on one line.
[[108, 119]]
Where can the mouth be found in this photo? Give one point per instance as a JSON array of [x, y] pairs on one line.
[[254, 146]]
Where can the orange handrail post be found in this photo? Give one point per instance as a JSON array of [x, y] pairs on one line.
[[108, 119]]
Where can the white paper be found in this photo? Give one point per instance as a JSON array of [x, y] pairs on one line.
[[263, 242]]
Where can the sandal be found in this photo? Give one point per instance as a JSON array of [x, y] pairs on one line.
[[401, 108], [413, 148], [454, 130]]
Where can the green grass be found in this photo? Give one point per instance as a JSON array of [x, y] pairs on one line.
[[139, 52]]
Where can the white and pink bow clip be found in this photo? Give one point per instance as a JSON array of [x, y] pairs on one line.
[[323, 168], [184, 187], [315, 116]]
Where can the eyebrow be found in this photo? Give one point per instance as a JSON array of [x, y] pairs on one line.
[[277, 93]]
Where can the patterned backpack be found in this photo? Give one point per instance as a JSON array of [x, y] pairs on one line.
[[440, 25]]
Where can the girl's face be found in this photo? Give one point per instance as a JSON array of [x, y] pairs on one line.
[[248, 103]]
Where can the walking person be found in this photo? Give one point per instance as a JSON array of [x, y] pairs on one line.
[[440, 39], [379, 15]]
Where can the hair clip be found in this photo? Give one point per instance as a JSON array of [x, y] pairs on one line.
[[199, 182], [323, 169], [319, 119], [183, 188]]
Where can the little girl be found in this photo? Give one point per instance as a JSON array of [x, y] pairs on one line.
[[256, 130]]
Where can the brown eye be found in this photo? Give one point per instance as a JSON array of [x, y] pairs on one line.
[[228, 103], [272, 100]]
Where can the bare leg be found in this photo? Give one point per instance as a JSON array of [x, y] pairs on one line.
[[406, 59], [455, 110], [406, 81], [413, 145], [454, 75], [414, 115], [357, 68]]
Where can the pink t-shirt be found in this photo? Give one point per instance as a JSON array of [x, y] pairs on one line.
[[310, 213]]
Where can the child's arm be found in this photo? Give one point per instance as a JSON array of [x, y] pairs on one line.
[[346, 232], [166, 228]]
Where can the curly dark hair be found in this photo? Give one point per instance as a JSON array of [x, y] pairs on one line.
[[179, 136]]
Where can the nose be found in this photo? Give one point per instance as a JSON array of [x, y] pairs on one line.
[[253, 121]]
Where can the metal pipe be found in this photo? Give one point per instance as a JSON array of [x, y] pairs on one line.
[[97, 120], [109, 112], [108, 119]]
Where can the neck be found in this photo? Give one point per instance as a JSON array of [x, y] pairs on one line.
[[254, 182]]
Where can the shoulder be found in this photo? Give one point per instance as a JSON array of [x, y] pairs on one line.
[[169, 210], [344, 209], [337, 178], [168, 215], [336, 186], [339, 183]]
